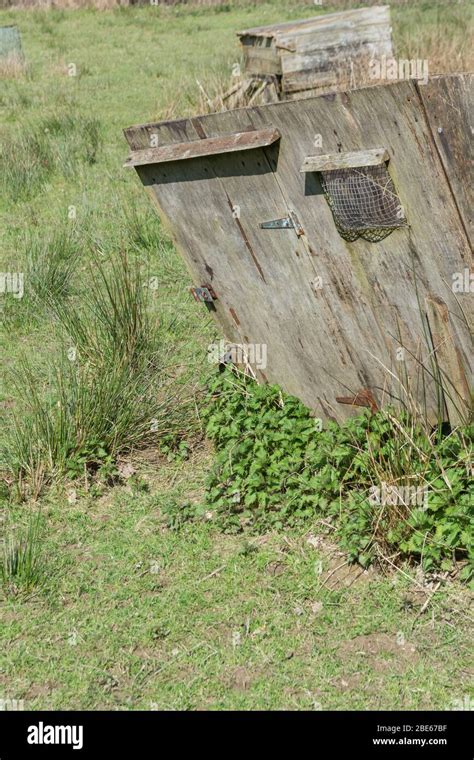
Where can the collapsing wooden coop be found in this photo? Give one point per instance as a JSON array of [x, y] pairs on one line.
[[303, 58], [351, 264]]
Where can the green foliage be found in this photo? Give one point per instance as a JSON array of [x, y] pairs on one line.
[[174, 447], [388, 487], [177, 513]]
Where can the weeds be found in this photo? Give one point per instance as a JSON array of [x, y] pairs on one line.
[[388, 487], [90, 415]]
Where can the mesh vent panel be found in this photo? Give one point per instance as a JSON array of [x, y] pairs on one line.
[[363, 201]]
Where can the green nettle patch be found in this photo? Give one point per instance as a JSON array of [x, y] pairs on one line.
[[390, 489]]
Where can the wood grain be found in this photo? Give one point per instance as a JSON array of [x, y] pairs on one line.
[[353, 160], [338, 317], [452, 377], [312, 52], [449, 105], [226, 144]]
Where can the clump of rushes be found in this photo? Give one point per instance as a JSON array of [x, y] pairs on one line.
[[51, 263], [391, 490], [110, 391], [20, 558]]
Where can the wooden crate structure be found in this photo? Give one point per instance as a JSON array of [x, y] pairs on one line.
[[346, 322], [317, 53]]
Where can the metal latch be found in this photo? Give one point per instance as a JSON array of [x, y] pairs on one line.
[[288, 222], [204, 293]]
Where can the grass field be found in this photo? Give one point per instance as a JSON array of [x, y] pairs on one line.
[[129, 613]]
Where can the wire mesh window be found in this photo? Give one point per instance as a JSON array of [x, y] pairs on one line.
[[363, 201]]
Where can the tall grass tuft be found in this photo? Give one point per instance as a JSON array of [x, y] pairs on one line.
[[111, 324], [111, 390], [56, 144], [51, 263], [21, 559]]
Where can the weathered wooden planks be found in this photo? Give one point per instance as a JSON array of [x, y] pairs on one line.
[[449, 105], [260, 56], [312, 53], [340, 320], [394, 273], [449, 368], [353, 160], [238, 141]]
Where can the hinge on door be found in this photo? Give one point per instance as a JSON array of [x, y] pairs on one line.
[[288, 222], [204, 293]]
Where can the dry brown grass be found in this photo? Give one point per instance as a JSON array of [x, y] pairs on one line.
[[329, 5], [447, 49], [12, 67]]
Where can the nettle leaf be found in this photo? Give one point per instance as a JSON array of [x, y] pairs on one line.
[[268, 450], [250, 498]]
